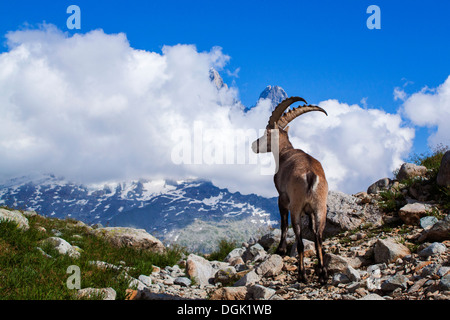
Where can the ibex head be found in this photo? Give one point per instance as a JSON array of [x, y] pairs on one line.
[[277, 127]]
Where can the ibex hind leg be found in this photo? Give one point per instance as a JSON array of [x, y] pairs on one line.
[[296, 223], [318, 225]]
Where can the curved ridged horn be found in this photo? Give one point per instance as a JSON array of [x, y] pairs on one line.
[[278, 111], [294, 113]]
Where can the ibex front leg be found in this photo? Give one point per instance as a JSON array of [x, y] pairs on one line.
[[284, 213]]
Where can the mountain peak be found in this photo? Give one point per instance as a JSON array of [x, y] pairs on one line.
[[275, 94], [215, 78]]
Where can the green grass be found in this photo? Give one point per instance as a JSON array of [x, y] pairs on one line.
[[26, 274], [224, 248], [431, 159]]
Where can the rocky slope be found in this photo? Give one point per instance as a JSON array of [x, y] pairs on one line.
[[394, 254]]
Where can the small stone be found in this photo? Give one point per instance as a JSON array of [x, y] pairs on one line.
[[394, 282], [183, 281], [145, 280], [444, 284], [427, 222]]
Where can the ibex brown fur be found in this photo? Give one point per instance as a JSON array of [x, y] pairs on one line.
[[300, 182]]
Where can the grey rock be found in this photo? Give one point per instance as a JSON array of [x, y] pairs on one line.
[[104, 293], [443, 177], [183, 281], [394, 282], [14, 216], [430, 270], [238, 252], [259, 292], [271, 266], [410, 170], [339, 278], [200, 269], [440, 231], [433, 249], [372, 296], [413, 212], [130, 237], [428, 221], [146, 280], [225, 275], [335, 263], [254, 253], [62, 246], [444, 283], [382, 184], [389, 251], [249, 278]]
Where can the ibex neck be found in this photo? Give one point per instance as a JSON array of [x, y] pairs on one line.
[[284, 146]]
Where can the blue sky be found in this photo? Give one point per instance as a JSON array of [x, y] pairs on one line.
[[319, 50]]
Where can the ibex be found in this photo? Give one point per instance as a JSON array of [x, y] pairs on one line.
[[299, 180]]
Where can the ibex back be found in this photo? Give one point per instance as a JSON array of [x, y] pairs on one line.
[[299, 180]]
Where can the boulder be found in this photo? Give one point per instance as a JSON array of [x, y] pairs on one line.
[[444, 283], [433, 249], [271, 266], [387, 251], [335, 264], [380, 185], [14, 216], [225, 276], [235, 253], [199, 269], [412, 212], [254, 253], [259, 292], [344, 212], [440, 231], [248, 279], [229, 293], [62, 246], [104, 293], [443, 177], [411, 170], [428, 222], [394, 282], [130, 237]]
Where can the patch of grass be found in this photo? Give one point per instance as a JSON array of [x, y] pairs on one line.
[[25, 273], [224, 248], [391, 200], [431, 159]]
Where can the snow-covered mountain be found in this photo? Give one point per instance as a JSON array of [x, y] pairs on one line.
[[275, 93], [194, 213], [162, 207]]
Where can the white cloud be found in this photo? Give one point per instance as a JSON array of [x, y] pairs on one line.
[[431, 108], [399, 94], [91, 108]]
